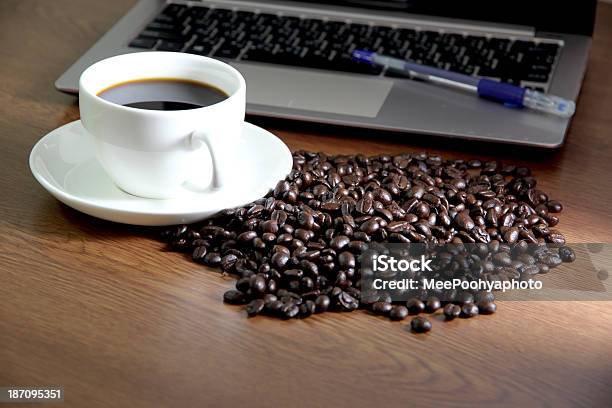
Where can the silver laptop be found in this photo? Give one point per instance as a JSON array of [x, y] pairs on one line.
[[296, 58]]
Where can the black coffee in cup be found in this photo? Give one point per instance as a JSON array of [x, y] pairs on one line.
[[167, 94]]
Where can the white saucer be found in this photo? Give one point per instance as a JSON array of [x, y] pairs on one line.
[[64, 163]]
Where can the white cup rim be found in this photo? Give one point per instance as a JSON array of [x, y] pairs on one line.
[[86, 87]]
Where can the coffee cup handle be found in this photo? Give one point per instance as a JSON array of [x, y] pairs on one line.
[[197, 140]]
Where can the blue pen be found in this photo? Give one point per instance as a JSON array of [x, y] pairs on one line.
[[510, 95]]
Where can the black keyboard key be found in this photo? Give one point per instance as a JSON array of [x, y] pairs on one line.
[[222, 14], [200, 49], [197, 12], [170, 46], [162, 35], [321, 59], [228, 51], [163, 18], [245, 15], [211, 31], [487, 71], [520, 46], [335, 28], [174, 10], [499, 45], [536, 77], [260, 53], [264, 18], [359, 29], [141, 42], [540, 58], [541, 68], [476, 43], [451, 40], [550, 48], [166, 27], [308, 24], [466, 69], [536, 88], [291, 22]]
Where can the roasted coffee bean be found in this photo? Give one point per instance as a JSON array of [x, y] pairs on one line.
[[415, 306], [247, 236], [279, 259], [469, 310], [502, 259], [487, 307], [235, 297], [291, 311], [451, 311], [416, 192], [303, 235], [567, 254], [322, 303], [346, 302], [279, 217], [464, 221], [281, 187], [199, 254], [346, 260], [511, 235], [484, 296], [243, 284], [555, 238], [269, 226], [365, 205], [254, 307], [306, 220], [307, 309], [398, 313], [339, 242], [398, 226], [284, 238], [382, 308], [432, 304], [274, 306], [212, 259], [370, 226], [554, 206], [268, 298], [464, 298], [228, 261], [257, 284], [259, 244], [420, 324]]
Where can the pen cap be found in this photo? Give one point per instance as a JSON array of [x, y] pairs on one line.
[[549, 104]]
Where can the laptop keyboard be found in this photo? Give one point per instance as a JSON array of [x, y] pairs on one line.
[[325, 44]]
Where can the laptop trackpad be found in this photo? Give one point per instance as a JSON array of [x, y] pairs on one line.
[[314, 91]]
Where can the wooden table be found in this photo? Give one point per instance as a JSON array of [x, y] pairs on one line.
[[102, 310]]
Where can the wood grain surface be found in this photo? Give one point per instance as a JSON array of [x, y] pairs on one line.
[[104, 311]]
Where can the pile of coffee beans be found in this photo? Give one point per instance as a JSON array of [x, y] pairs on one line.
[[296, 251]]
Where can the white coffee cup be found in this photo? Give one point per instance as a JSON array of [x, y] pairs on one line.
[[153, 153]]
